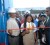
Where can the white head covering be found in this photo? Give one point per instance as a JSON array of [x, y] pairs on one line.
[[12, 10]]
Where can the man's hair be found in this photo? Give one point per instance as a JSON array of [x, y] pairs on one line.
[[48, 8]]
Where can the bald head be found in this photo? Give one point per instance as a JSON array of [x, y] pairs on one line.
[[48, 11]]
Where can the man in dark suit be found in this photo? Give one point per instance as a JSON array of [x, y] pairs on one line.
[[48, 25], [41, 31]]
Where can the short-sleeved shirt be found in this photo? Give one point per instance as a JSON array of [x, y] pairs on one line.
[[12, 24]]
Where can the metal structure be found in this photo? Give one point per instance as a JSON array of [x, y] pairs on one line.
[[3, 20]]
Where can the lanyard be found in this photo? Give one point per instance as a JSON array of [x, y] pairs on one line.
[[43, 22]]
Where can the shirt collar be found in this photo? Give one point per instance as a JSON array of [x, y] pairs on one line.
[[28, 22], [12, 18]]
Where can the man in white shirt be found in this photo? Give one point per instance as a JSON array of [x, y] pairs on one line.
[[13, 28]]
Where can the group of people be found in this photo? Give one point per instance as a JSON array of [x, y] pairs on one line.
[[28, 30]]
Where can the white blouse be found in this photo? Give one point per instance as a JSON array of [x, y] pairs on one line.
[[29, 25]]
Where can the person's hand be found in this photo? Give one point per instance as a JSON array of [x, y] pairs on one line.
[[42, 26], [31, 28], [27, 31], [10, 31], [23, 33]]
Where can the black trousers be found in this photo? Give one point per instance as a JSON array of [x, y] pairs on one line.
[[41, 43], [20, 39]]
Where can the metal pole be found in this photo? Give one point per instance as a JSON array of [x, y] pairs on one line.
[[3, 13]]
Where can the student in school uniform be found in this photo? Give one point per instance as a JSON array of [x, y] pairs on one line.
[[28, 34]]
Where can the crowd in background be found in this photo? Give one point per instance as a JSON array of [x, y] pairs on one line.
[[28, 29]]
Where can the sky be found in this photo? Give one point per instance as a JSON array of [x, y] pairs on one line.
[[27, 4], [30, 3]]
